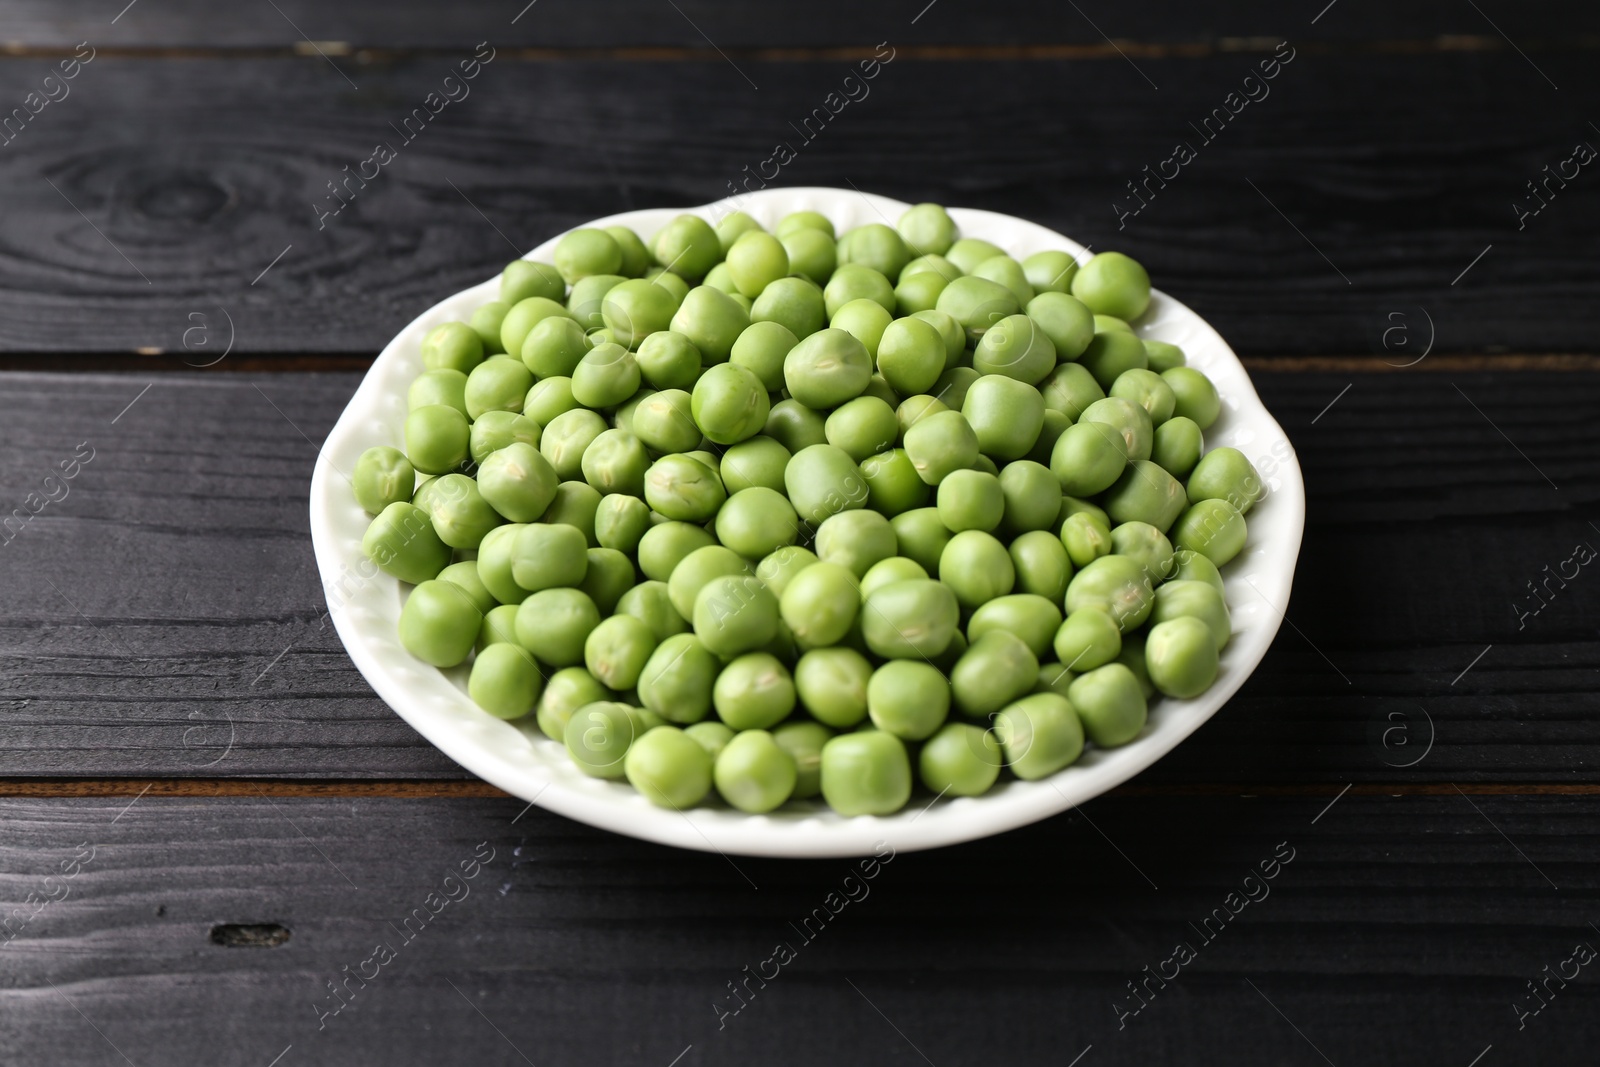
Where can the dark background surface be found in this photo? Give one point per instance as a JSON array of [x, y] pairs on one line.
[[258, 820]]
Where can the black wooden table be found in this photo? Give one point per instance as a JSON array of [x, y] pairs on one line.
[[210, 822]]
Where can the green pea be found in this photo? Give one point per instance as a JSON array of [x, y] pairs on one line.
[[1006, 415], [1145, 544], [970, 500], [1009, 273], [437, 438], [734, 614], [497, 384], [811, 253], [461, 516], [913, 619], [1031, 617], [921, 536], [729, 403], [908, 698], [1146, 493], [1226, 474], [665, 421], [1017, 348], [1064, 320], [950, 331], [598, 736], [517, 482], [505, 681], [1070, 389], [893, 484], [496, 555], [753, 692], [1164, 356], [649, 603], [712, 321], [877, 246], [1113, 284], [636, 257], [1110, 704], [832, 685], [1128, 419], [795, 426], [1193, 599], [634, 309], [549, 398], [605, 376], [446, 387], [1052, 426], [968, 252], [711, 735], [760, 349], [865, 320], [553, 347], [804, 742], [978, 304], [1043, 566], [796, 304], [857, 281], [523, 278], [677, 679], [609, 576], [820, 603], [755, 260], [1088, 638], [683, 488], [1031, 495], [586, 251], [664, 545], [1110, 355], [754, 773], [823, 480], [494, 430], [487, 321], [522, 317], [918, 292], [575, 504], [734, 226], [866, 773], [673, 282], [960, 760], [1050, 272], [1177, 446], [698, 568], [1088, 458], [779, 567], [1053, 678], [616, 651], [565, 692], [1132, 657], [548, 556], [953, 384], [862, 427], [439, 623], [567, 437], [888, 571], [930, 263], [1194, 397], [668, 360], [756, 521], [452, 346], [688, 246], [911, 355], [554, 623], [465, 575], [856, 539], [499, 624], [1040, 734], [997, 667], [757, 462], [826, 369], [1117, 585], [927, 229], [1189, 565], [941, 443], [382, 476], [1147, 389], [1214, 528]]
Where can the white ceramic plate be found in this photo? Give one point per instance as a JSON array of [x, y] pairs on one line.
[[365, 604]]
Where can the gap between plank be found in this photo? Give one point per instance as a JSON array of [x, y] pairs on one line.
[[40, 788], [299, 363]]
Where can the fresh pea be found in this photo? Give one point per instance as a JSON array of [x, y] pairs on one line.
[[968, 252], [757, 521], [1040, 734], [382, 476], [1226, 474], [1113, 284], [677, 679], [754, 773], [565, 692], [665, 544], [866, 773], [575, 504], [855, 539], [754, 692], [554, 623], [796, 304], [452, 346], [960, 760], [804, 742], [1117, 585], [908, 698], [823, 480], [1110, 704], [1177, 446], [995, 669], [505, 681], [1213, 528], [913, 619], [893, 484], [598, 737], [439, 623], [734, 614], [712, 321], [1086, 639], [811, 254], [826, 369]]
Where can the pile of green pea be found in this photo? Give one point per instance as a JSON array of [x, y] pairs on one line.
[[789, 513]]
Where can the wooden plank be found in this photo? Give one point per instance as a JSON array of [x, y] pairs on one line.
[[169, 605], [784, 24], [1392, 931], [1402, 200]]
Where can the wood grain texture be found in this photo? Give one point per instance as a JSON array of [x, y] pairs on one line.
[[202, 172], [164, 617], [1415, 924], [783, 24]]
